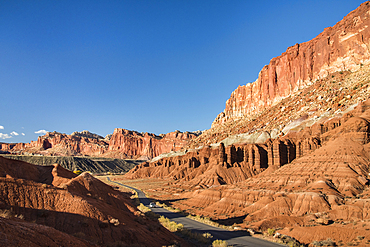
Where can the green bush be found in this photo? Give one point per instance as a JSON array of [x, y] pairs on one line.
[[219, 243], [170, 225], [271, 231], [78, 172], [143, 208]]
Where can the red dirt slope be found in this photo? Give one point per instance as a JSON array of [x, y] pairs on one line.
[[81, 206]]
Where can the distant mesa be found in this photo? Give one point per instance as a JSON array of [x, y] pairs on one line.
[[123, 144]]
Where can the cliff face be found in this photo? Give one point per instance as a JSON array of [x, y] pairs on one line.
[[286, 159], [147, 145], [121, 144], [234, 163], [303, 180], [342, 47]]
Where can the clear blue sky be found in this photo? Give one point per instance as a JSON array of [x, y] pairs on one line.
[[150, 66]]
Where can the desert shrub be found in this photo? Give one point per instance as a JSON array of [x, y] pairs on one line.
[[143, 208], [207, 235], [20, 216], [271, 231], [114, 222], [163, 205], [219, 243], [6, 214], [170, 225], [78, 172]]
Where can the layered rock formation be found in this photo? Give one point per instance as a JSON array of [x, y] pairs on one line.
[[121, 144], [219, 165], [59, 208], [309, 178], [216, 165], [146, 145], [342, 47], [291, 150]]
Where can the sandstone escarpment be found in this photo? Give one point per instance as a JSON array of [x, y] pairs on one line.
[[328, 98], [121, 144], [342, 47], [296, 160], [308, 178], [216, 165], [146, 145]]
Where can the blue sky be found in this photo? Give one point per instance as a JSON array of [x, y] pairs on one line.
[[150, 66]]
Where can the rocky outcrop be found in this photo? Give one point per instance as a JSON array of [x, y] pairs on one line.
[[71, 205], [146, 145], [291, 160], [86, 134], [121, 144], [342, 47], [327, 98], [308, 178], [216, 165], [60, 144]]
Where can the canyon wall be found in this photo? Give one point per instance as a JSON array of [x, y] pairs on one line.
[[235, 163], [121, 144], [146, 145], [342, 47]]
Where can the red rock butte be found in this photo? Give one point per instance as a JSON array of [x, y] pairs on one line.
[[342, 47]]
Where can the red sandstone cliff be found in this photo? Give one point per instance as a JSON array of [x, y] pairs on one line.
[[234, 163], [146, 145], [300, 165], [342, 47], [121, 144]]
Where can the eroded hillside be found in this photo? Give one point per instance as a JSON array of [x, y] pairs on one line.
[[291, 150], [59, 208]]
